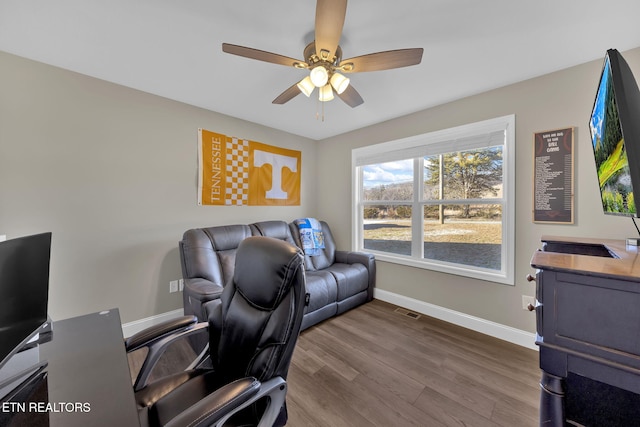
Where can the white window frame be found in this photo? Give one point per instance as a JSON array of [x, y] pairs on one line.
[[439, 142]]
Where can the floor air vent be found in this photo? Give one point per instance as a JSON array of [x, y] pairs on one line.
[[408, 313]]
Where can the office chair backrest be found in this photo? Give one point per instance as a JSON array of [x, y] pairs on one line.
[[255, 328]]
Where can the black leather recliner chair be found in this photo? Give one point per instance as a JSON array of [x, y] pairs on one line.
[[252, 334]]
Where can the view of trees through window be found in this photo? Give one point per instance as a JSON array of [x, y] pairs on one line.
[[458, 200]]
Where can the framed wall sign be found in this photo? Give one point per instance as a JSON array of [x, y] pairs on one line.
[[553, 197]]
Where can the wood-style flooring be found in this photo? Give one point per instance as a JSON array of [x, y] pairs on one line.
[[377, 366], [374, 366]]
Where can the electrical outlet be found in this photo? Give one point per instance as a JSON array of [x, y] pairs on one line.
[[526, 301], [181, 285], [173, 286]]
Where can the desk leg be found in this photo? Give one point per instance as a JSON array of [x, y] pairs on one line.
[[551, 400]]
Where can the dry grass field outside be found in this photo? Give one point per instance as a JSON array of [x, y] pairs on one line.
[[452, 231], [474, 242]]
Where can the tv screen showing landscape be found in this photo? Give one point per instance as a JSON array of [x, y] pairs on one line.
[[611, 156]]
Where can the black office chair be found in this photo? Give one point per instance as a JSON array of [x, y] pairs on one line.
[[252, 335]]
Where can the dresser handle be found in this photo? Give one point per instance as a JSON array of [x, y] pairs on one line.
[[531, 278], [531, 307]]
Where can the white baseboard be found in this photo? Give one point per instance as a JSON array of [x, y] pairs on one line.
[[497, 330], [136, 326]]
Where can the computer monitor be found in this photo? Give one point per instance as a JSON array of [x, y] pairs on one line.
[[24, 291]]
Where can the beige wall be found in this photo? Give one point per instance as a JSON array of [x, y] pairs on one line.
[[112, 172], [553, 101]]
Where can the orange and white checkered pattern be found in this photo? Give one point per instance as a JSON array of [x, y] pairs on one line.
[[237, 172]]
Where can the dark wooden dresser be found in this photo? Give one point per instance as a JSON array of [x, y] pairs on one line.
[[588, 331]]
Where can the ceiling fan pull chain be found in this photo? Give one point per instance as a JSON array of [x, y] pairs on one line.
[[320, 110]]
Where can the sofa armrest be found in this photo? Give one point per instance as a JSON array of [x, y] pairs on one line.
[[364, 258], [202, 289], [351, 257], [198, 291]]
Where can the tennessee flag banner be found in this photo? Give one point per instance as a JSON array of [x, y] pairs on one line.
[[236, 172]]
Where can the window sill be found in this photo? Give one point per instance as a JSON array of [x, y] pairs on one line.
[[444, 267]]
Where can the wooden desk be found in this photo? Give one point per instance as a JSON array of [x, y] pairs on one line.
[[588, 330], [87, 379]]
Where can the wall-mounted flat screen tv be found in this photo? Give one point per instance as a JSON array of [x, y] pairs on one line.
[[24, 290], [615, 136]]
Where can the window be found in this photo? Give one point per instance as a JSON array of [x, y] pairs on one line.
[[442, 200]]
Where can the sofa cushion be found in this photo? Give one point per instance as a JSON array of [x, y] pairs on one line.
[[322, 289], [198, 258], [327, 255], [276, 229], [225, 240], [350, 279], [209, 253]]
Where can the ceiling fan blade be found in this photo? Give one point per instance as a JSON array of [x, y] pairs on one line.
[[382, 60], [330, 16], [287, 95], [262, 55], [351, 97]]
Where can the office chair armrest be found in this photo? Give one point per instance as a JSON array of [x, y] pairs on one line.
[[218, 407], [153, 333], [158, 338]]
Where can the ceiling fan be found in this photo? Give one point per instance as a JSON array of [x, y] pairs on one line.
[[323, 59]]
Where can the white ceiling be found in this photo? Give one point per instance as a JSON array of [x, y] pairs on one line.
[[172, 48]]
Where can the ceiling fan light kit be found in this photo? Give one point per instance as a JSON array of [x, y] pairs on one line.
[[319, 76], [306, 86], [339, 82], [326, 93], [323, 57]]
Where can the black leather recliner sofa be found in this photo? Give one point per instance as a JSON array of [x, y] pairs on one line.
[[336, 280]]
